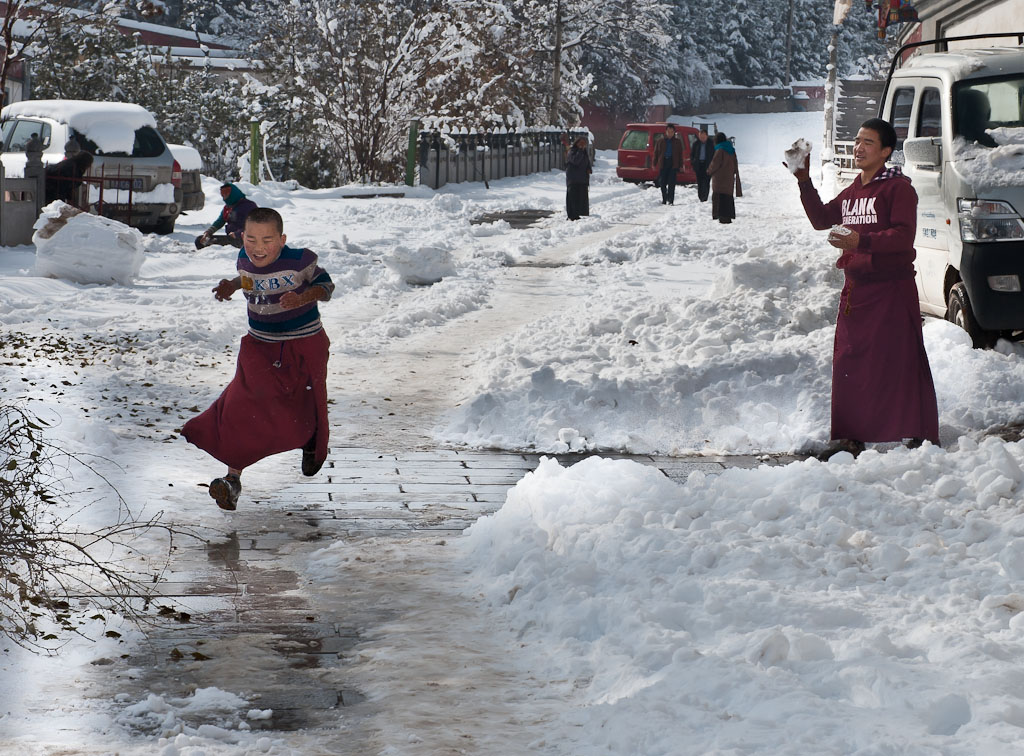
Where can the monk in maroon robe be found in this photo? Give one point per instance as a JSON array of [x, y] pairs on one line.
[[882, 386]]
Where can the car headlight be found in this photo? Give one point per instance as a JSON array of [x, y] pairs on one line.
[[989, 221]]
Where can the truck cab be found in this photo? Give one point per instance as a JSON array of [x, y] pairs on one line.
[[959, 120]]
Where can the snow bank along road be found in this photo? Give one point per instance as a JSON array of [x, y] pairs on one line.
[[856, 607]]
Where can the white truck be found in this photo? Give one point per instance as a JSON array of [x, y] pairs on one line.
[[959, 118]]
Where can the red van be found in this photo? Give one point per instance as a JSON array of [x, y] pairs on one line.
[[636, 152]]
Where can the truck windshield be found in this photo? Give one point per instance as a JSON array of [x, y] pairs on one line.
[[982, 105]]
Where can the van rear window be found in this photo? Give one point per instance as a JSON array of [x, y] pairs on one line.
[[635, 140]]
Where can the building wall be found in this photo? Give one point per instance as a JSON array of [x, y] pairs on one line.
[[952, 18]]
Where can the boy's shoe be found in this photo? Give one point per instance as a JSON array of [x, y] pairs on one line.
[[310, 465], [225, 491]]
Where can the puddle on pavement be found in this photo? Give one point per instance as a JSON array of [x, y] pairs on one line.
[[515, 218]]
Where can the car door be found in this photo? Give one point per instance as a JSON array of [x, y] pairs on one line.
[[932, 238]]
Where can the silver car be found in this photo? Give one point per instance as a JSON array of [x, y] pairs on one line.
[[134, 176]]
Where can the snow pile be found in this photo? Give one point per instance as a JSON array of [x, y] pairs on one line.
[[426, 264], [228, 714], [758, 606], [86, 248], [1001, 166], [161, 194]]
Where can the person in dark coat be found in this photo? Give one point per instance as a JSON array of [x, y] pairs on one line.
[[700, 158], [63, 179], [725, 178], [577, 179], [232, 218], [882, 386], [668, 159]]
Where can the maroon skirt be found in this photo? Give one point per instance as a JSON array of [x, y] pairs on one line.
[[276, 402], [882, 386]]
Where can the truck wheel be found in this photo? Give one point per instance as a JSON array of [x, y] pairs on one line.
[[958, 311], [164, 226]]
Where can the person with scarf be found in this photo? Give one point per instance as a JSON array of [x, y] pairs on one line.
[[725, 178], [882, 386], [232, 218]]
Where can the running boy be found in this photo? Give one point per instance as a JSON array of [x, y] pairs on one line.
[[277, 400]]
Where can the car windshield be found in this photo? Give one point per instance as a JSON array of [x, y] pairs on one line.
[[635, 139], [985, 104], [147, 144]]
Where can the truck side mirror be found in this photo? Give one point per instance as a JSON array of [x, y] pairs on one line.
[[923, 152]]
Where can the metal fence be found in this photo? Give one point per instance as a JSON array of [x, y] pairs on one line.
[[486, 156]]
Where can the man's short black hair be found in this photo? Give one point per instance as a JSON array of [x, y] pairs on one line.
[[266, 215], [886, 133]]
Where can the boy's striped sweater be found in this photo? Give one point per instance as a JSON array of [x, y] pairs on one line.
[[294, 270]]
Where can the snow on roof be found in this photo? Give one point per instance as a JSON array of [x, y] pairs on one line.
[[188, 157], [111, 125], [962, 64]]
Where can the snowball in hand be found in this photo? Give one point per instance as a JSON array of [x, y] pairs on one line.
[[797, 155]]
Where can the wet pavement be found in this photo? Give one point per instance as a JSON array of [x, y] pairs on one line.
[[238, 617]]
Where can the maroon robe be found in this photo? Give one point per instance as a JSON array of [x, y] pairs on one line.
[[276, 402], [882, 386]]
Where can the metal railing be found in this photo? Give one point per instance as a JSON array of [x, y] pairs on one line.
[[450, 158], [75, 190]]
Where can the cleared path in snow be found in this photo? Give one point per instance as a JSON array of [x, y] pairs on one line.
[[421, 377]]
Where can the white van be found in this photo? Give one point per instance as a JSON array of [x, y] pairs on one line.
[[959, 119]]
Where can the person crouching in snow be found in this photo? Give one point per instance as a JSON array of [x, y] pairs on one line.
[[277, 400], [232, 218], [882, 386]]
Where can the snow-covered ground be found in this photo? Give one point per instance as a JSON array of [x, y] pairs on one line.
[[868, 606]]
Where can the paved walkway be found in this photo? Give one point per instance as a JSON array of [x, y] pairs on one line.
[[243, 622]]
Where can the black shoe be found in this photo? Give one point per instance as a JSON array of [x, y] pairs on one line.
[[914, 443], [310, 465], [225, 491], [842, 445]]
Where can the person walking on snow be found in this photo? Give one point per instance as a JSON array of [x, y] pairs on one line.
[[236, 207], [725, 177], [668, 159], [700, 158], [882, 386], [577, 179], [277, 400]]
